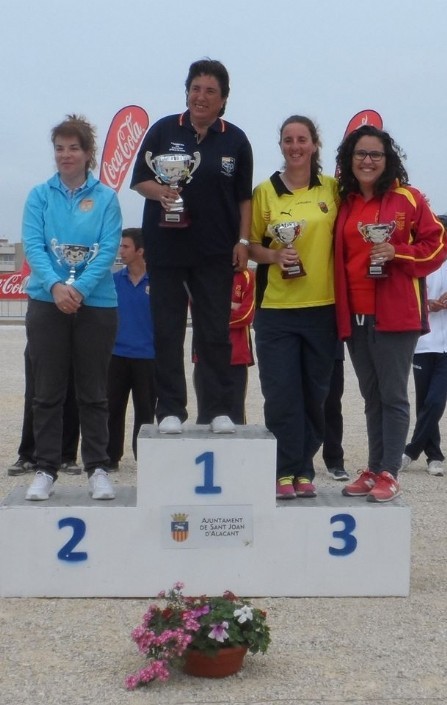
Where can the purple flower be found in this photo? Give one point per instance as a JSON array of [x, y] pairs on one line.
[[219, 632]]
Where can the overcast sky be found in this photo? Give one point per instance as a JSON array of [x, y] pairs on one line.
[[326, 59]]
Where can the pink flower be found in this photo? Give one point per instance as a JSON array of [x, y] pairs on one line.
[[219, 632]]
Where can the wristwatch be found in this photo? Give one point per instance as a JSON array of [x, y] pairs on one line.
[[245, 242]]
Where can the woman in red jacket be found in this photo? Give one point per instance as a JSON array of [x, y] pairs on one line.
[[387, 241]]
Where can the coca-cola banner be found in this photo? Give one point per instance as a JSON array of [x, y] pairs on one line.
[[125, 133], [12, 286]]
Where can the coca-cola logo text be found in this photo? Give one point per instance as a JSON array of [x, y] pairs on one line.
[[125, 134], [12, 286]]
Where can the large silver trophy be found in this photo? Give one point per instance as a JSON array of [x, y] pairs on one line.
[[286, 234], [74, 257], [376, 233], [171, 169]]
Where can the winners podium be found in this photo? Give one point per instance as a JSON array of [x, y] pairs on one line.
[[204, 513]]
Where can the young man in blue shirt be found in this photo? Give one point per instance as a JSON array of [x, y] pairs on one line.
[[132, 363]]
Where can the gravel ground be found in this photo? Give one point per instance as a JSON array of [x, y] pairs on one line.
[[324, 651]]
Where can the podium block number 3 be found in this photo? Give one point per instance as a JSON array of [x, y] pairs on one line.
[[345, 534], [67, 553]]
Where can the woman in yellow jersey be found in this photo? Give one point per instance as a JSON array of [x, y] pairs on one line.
[[295, 320], [387, 241]]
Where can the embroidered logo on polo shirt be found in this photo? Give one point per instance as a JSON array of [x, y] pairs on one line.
[[323, 207], [177, 147], [86, 205], [228, 165]]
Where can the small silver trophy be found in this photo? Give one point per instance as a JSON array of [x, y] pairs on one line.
[[74, 257], [376, 233], [286, 234], [171, 169]]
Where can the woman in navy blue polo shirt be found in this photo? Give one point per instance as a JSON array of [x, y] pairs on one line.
[[194, 265]]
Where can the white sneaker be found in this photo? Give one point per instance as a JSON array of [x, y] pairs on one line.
[[436, 468], [170, 424], [100, 486], [41, 487], [222, 424], [406, 461]]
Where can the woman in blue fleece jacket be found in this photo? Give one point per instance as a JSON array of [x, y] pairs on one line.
[[72, 310]]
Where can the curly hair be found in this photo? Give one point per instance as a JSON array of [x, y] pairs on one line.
[[315, 164], [78, 126], [394, 168], [210, 67]]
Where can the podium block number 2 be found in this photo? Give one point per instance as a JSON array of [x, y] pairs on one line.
[[67, 553], [345, 534]]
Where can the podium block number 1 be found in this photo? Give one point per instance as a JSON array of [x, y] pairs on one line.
[[208, 486]]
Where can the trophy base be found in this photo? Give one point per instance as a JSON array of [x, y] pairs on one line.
[[174, 220], [296, 270], [376, 271]]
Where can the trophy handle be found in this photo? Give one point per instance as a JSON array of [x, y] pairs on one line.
[[93, 252], [149, 162], [197, 159], [56, 249], [361, 229]]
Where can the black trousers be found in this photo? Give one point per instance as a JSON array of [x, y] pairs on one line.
[[70, 420], [57, 342], [207, 289], [239, 380], [333, 454], [127, 374]]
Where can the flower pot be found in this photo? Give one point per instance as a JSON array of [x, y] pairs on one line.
[[223, 663]]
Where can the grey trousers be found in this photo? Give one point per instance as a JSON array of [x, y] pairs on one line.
[[382, 363]]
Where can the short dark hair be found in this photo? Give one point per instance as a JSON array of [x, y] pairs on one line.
[[315, 164], [210, 67], [136, 235], [394, 168], [78, 126]]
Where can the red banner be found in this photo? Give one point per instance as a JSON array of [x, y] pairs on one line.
[[12, 286], [126, 131], [364, 117]]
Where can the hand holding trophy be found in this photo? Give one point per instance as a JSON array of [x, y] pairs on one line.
[[376, 233], [286, 234], [171, 169]]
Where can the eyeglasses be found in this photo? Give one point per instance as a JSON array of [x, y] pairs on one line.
[[361, 154]]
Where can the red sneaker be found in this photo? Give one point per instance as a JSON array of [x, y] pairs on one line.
[[385, 489], [304, 487], [284, 488], [362, 486]]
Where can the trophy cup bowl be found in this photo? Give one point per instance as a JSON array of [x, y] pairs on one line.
[[74, 257], [286, 234], [171, 169], [376, 233]]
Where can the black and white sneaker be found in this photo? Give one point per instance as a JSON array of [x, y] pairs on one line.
[[21, 467], [338, 474]]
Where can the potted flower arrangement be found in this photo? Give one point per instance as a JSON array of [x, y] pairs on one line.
[[198, 632]]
